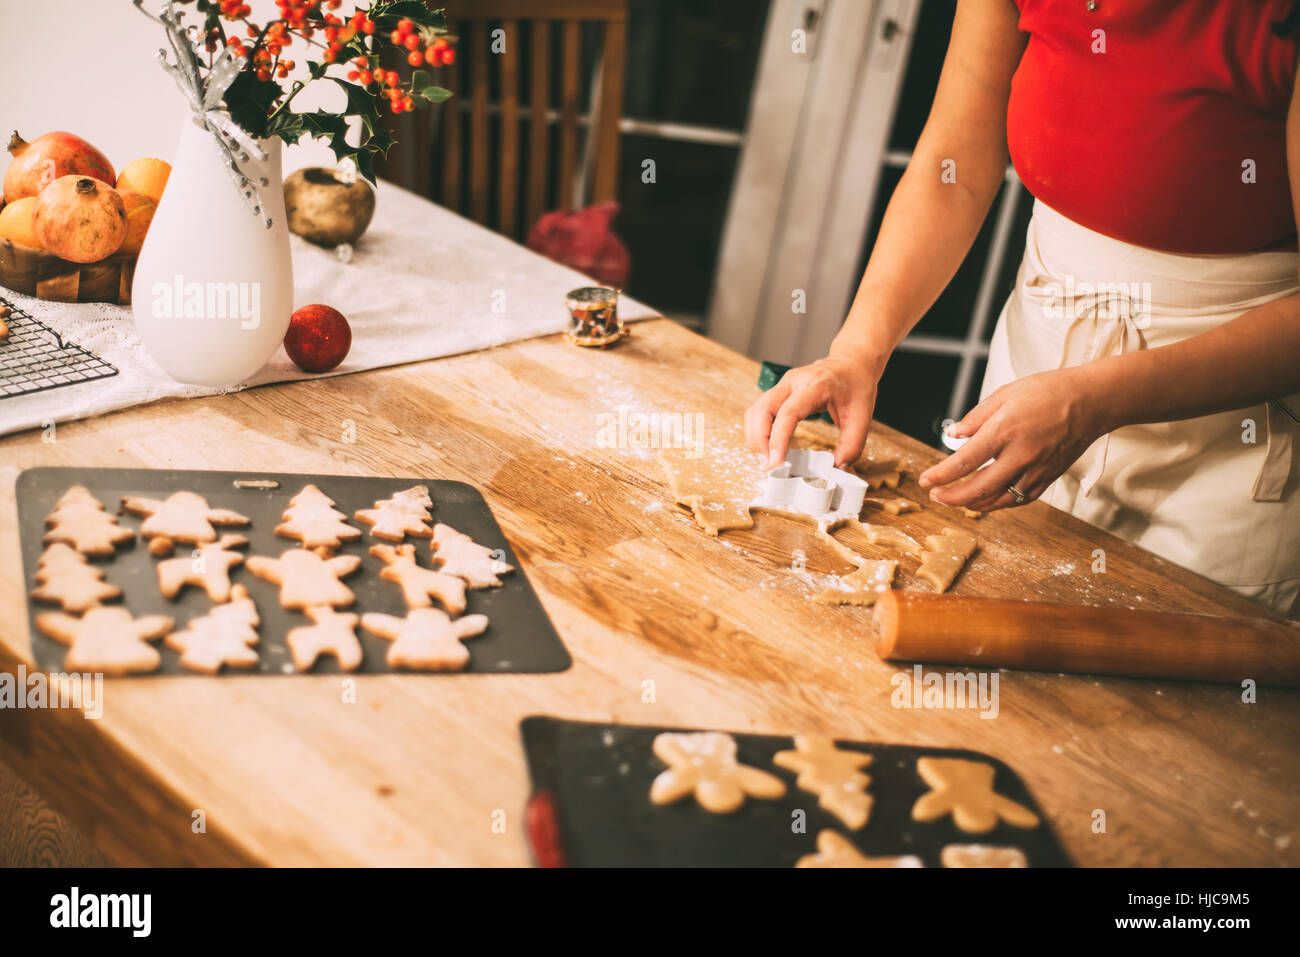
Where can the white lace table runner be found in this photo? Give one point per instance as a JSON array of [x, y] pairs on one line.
[[422, 283]]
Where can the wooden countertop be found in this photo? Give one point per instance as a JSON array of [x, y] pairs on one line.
[[413, 772]]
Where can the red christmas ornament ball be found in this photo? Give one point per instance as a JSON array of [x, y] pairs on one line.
[[318, 339]]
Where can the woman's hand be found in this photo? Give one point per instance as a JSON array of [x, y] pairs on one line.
[[1033, 429], [843, 385]]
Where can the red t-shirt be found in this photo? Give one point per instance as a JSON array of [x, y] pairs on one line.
[[1146, 141]]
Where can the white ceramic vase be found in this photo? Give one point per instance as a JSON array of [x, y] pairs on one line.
[[213, 288]]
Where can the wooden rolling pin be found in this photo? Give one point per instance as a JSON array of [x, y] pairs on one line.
[[1083, 639]]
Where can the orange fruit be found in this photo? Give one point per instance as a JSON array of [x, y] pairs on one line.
[[148, 176], [17, 222], [139, 214]]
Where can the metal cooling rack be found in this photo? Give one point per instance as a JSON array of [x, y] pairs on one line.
[[34, 358]]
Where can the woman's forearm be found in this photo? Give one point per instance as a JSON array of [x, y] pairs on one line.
[[1250, 359]]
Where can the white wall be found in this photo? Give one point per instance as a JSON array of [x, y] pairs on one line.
[[89, 67]]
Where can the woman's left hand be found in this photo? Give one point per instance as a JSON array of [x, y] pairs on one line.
[[1033, 429]]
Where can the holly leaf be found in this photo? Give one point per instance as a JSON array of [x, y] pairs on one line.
[[249, 101]]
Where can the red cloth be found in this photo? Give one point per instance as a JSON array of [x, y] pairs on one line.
[[583, 240], [1145, 142]]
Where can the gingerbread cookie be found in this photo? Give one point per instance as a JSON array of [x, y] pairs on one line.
[[426, 639], [419, 584], [181, 517], [312, 519], [334, 633], [862, 586], [982, 855], [306, 579], [833, 774], [66, 579], [704, 763], [720, 498], [405, 513], [885, 474], [945, 555], [457, 554], [208, 567], [894, 506], [106, 640], [79, 520], [965, 790], [224, 636], [836, 850]]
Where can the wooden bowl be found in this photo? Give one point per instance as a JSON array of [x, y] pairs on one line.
[[34, 272]]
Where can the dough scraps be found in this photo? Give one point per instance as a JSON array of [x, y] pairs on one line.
[[982, 855], [66, 579], [833, 774], [427, 639], [836, 850], [457, 554], [419, 585], [107, 640], [79, 520], [719, 496], [181, 517], [945, 556], [405, 513], [704, 763], [224, 636], [894, 506], [306, 579], [862, 586], [965, 790], [312, 519], [209, 567], [334, 633]]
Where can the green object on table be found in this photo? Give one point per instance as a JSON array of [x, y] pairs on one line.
[[769, 374]]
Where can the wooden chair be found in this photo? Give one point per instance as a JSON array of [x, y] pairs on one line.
[[468, 154]]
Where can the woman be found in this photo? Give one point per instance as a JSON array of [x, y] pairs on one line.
[[1143, 372]]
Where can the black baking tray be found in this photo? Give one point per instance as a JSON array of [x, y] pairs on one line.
[[519, 639], [591, 795]]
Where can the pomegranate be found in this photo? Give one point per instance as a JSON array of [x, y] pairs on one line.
[[80, 219], [46, 158]]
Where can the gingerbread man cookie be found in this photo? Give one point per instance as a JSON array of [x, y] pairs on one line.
[[306, 579], [312, 519], [834, 775], [79, 520], [419, 584], [106, 640], [426, 639], [208, 567], [224, 636], [457, 554], [704, 763], [836, 850], [181, 517], [334, 633], [982, 855], [965, 790], [66, 579], [405, 513]]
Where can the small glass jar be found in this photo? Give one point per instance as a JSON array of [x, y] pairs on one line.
[[593, 316]]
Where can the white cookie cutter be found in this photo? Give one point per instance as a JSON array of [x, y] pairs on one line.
[[809, 483]]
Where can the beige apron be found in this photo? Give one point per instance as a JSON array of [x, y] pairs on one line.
[[1216, 494]]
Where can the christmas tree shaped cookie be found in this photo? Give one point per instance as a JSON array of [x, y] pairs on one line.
[[106, 640], [312, 519], [457, 554], [65, 578], [224, 636], [427, 639], [79, 520], [181, 517], [209, 567], [405, 513], [833, 774], [333, 633], [306, 579], [418, 584]]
